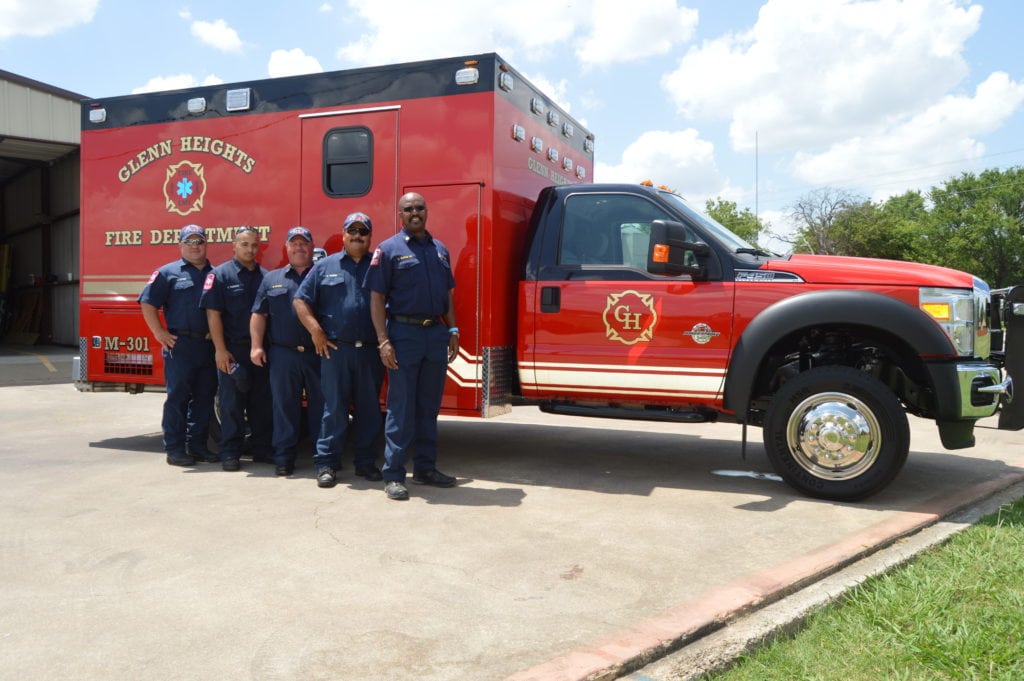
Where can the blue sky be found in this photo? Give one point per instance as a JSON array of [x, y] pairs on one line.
[[873, 97]]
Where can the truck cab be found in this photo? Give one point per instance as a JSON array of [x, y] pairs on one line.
[[635, 305]]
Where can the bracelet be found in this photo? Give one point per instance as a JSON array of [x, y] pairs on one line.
[[383, 343], [453, 329]]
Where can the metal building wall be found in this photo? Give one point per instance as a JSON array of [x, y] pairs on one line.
[[39, 208]]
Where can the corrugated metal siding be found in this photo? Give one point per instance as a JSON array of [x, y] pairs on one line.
[[29, 113]]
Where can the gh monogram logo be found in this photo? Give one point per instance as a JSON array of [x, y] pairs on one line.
[[630, 317]]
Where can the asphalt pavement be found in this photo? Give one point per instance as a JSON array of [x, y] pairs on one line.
[[572, 548]]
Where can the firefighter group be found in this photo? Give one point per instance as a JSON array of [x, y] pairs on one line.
[[264, 343]]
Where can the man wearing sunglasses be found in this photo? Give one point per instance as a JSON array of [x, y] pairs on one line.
[[287, 350], [243, 388], [189, 371], [413, 311], [333, 306]]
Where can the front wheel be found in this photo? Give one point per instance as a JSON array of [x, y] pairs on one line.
[[836, 433]]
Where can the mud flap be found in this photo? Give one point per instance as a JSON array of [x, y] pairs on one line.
[[1011, 411]]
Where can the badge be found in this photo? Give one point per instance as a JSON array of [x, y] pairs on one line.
[[209, 281]]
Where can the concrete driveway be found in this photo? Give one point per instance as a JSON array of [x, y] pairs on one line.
[[571, 549]]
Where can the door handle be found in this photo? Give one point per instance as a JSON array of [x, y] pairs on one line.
[[550, 299]]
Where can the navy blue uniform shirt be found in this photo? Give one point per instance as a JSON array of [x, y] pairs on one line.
[[274, 297], [334, 289], [176, 287], [414, 274], [231, 288]]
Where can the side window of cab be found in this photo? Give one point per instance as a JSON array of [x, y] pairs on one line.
[[607, 231]]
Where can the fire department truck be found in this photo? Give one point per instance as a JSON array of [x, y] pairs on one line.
[[599, 300]]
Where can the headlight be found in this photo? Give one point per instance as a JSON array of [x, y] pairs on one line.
[[962, 314]]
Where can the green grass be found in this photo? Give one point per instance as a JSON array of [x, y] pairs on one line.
[[955, 612]]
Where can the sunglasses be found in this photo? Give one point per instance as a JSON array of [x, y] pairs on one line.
[[419, 208], [193, 242], [361, 231]]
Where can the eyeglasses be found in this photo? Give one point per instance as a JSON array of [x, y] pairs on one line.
[[419, 208], [193, 242], [243, 229], [361, 231]]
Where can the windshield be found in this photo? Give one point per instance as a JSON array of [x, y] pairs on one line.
[[723, 234]]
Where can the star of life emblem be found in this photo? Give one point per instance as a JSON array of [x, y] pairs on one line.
[[184, 188]]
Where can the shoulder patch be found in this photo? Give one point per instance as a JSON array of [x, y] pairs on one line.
[[209, 281], [376, 257], [153, 276]]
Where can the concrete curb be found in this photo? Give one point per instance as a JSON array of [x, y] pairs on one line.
[[792, 589]]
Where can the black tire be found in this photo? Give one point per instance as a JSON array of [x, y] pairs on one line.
[[836, 433]]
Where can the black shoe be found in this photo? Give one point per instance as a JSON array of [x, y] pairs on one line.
[[325, 477], [284, 469], [370, 472], [231, 464], [180, 460], [204, 455], [396, 490], [434, 478]]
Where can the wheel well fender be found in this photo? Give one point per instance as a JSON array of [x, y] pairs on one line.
[[821, 308]]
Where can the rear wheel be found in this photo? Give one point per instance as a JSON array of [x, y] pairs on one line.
[[836, 433]]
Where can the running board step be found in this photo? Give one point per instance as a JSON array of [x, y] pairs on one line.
[[666, 415]]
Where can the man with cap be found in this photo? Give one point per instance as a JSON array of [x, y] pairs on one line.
[[291, 359], [242, 387], [413, 311], [334, 307], [189, 372]]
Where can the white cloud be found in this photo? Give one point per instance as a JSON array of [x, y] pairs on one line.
[[292, 63], [610, 32], [218, 35], [680, 160], [630, 31], [814, 73], [37, 19], [558, 92], [179, 81], [326, 7], [916, 151]]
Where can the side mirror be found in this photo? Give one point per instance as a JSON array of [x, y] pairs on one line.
[[670, 254]]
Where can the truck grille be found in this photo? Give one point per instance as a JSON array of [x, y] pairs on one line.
[[128, 363]]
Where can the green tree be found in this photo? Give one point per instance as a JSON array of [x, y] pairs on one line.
[[743, 224], [816, 216], [977, 225]]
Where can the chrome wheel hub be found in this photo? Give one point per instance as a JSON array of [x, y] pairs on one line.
[[834, 436]]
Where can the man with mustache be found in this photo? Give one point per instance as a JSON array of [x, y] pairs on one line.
[[333, 306]]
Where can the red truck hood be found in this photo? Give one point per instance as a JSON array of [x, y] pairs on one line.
[[833, 269]]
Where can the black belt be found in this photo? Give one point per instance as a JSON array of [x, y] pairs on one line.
[[358, 343], [296, 348], [418, 320], [190, 334]]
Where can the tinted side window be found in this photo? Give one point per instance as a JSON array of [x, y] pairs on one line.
[[608, 230], [348, 161]]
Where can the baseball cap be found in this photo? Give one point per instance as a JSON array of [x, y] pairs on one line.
[[192, 230], [358, 217], [299, 230]]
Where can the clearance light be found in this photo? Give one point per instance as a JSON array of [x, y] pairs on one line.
[[197, 105], [537, 144], [239, 99], [553, 155], [97, 115], [660, 253], [518, 133], [537, 106], [505, 81], [588, 146], [567, 164], [554, 119], [581, 172], [567, 130]]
